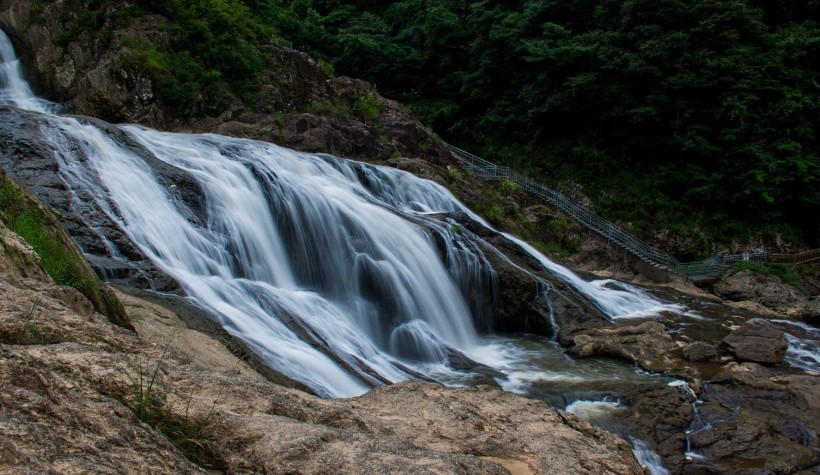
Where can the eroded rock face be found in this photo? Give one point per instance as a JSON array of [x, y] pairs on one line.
[[70, 385], [757, 340], [85, 71]]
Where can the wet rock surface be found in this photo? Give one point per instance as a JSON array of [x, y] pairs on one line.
[[767, 418], [27, 156], [700, 351]]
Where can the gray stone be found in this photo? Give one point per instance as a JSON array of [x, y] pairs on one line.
[[757, 340], [700, 351]]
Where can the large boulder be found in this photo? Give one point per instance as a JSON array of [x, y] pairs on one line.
[[648, 345], [700, 351], [757, 340], [769, 291]]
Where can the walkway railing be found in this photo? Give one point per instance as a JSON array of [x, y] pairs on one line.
[[801, 258], [714, 267]]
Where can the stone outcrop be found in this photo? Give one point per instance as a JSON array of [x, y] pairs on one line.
[[700, 351], [85, 71], [757, 340], [648, 344], [770, 292], [391, 132], [71, 382]]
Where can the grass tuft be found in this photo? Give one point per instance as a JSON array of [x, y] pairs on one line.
[[186, 433]]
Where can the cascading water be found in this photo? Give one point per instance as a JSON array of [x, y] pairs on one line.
[[15, 89], [338, 274]]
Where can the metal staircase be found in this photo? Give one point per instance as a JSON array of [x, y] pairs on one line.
[[711, 268]]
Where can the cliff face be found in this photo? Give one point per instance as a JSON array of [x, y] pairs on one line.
[[89, 63]]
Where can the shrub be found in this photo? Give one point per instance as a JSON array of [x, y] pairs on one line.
[[367, 107]]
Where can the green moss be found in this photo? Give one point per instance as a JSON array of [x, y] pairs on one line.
[[22, 214]]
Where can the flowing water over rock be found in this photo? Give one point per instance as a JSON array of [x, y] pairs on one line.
[[339, 274]]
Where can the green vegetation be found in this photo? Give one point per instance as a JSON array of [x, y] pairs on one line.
[[30, 333], [700, 115], [22, 214], [188, 434], [215, 46], [367, 107]]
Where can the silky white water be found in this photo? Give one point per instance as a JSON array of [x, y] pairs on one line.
[[15, 89], [337, 274]]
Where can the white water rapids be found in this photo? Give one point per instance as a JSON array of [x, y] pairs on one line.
[[330, 270]]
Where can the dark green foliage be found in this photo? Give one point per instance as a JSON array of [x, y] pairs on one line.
[[696, 113], [367, 107]]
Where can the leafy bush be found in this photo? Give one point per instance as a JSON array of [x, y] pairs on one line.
[[367, 107]]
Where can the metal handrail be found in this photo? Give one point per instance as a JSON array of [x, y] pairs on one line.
[[487, 170], [801, 258]]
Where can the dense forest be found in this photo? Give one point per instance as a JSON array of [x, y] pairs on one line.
[[699, 116]]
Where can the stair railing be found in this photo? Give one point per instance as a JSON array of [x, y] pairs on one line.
[[490, 171]]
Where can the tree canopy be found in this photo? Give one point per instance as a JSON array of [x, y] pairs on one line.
[[700, 114]]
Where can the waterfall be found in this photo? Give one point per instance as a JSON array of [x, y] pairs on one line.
[[15, 89], [338, 274]]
